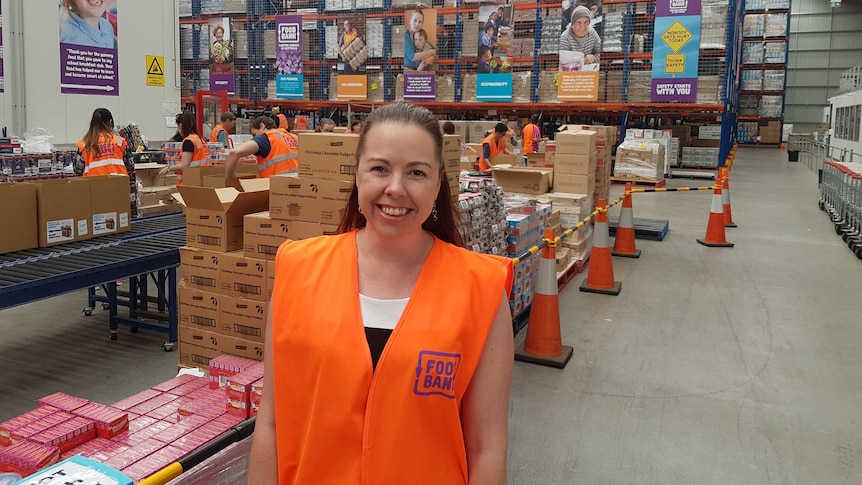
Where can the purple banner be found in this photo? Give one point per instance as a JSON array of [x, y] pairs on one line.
[[677, 8], [88, 70], [222, 81], [674, 89], [420, 87], [221, 55], [2, 78]]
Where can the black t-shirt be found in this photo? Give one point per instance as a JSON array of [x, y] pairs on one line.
[[177, 137], [188, 146]]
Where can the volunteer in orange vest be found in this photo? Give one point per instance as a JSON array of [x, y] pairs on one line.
[[102, 151], [280, 119], [194, 151], [301, 122], [533, 135], [292, 139], [355, 127], [493, 145], [432, 407], [221, 132], [271, 146]]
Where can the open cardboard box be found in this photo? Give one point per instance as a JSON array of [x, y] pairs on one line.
[[214, 216], [523, 180]]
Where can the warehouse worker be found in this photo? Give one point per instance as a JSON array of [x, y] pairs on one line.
[[326, 125], [221, 133], [102, 151], [279, 118], [533, 135], [301, 122], [292, 139], [436, 410], [493, 145], [269, 145], [194, 151], [449, 129], [355, 127]]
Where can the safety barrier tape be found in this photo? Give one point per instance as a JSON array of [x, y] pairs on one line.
[[672, 189]]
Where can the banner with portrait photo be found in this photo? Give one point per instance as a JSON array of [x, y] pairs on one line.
[[88, 48], [288, 57], [420, 54], [496, 37], [352, 48], [221, 55], [580, 52]]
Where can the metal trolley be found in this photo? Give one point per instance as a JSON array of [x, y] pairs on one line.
[[841, 198]]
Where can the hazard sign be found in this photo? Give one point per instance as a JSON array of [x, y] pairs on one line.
[[155, 71], [676, 36]]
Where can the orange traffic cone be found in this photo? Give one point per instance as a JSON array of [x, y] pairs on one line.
[[624, 241], [600, 278], [725, 198], [543, 344], [715, 237]]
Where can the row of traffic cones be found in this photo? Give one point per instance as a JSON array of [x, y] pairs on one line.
[[543, 344]]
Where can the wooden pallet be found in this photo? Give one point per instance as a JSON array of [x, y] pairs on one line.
[[643, 183], [652, 229]]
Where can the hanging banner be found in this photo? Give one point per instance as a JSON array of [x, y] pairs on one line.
[[88, 48], [494, 87], [578, 86], [580, 47], [496, 37], [288, 57], [221, 56], [676, 51], [2, 83], [420, 87], [352, 87], [352, 50], [420, 40]]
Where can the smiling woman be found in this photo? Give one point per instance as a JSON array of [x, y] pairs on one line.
[[85, 22], [387, 344]]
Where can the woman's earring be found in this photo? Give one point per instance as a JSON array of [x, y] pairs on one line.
[[360, 209], [434, 212]]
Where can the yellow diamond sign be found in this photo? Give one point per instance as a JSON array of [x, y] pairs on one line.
[[676, 36]]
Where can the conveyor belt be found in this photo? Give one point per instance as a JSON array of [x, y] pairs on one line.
[[144, 227]]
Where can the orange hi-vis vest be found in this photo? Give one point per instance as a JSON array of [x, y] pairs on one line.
[[497, 147], [217, 131], [530, 144], [301, 123], [339, 421], [282, 120], [200, 157], [109, 161], [291, 139], [280, 158]]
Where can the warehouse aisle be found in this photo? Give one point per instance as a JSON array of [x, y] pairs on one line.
[[713, 366]]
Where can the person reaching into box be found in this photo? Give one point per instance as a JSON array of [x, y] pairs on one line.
[[221, 133], [194, 151], [533, 135], [493, 145], [270, 146], [336, 406]]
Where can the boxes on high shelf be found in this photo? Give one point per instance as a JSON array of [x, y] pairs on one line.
[[198, 309], [242, 277], [63, 210], [308, 199], [214, 217], [565, 163], [242, 318], [328, 156], [18, 217], [199, 268], [576, 142]]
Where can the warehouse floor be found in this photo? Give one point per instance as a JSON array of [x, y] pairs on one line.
[[713, 365]]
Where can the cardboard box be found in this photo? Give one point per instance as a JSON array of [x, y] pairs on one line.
[[148, 175], [606, 135], [63, 210], [308, 199], [198, 308], [523, 180], [241, 347], [18, 217], [576, 142], [328, 156], [504, 159], [243, 277], [194, 176], [214, 217], [109, 204], [263, 235], [199, 268], [196, 347], [540, 160], [149, 196], [242, 318], [270, 279], [575, 164], [575, 184], [452, 146]]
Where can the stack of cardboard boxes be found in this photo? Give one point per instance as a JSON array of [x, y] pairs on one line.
[[606, 139], [575, 162], [452, 165], [572, 209], [482, 215], [640, 159]]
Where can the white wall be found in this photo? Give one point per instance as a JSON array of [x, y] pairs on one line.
[[145, 27]]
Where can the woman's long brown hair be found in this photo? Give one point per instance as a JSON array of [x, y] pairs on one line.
[[100, 124]]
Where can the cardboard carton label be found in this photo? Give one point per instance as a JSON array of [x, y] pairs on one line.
[[242, 277], [105, 223], [83, 228], [243, 318], [124, 219], [62, 230]]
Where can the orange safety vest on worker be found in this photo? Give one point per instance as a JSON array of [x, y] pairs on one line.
[[301, 123], [292, 140], [280, 158], [200, 157], [339, 421], [109, 161], [530, 132], [497, 147], [217, 131], [282, 120]]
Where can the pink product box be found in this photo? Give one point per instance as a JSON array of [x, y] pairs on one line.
[[108, 451], [68, 434], [151, 464], [135, 399], [174, 432], [109, 421], [165, 411], [88, 448], [173, 383], [140, 423], [36, 427], [153, 403], [141, 450], [10, 425], [257, 387], [63, 401], [205, 393], [225, 366], [227, 420], [252, 411], [209, 407], [191, 386], [26, 458]]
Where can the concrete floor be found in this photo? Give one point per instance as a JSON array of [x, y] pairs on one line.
[[713, 366]]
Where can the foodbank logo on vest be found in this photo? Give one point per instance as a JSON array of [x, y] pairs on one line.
[[435, 374]]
